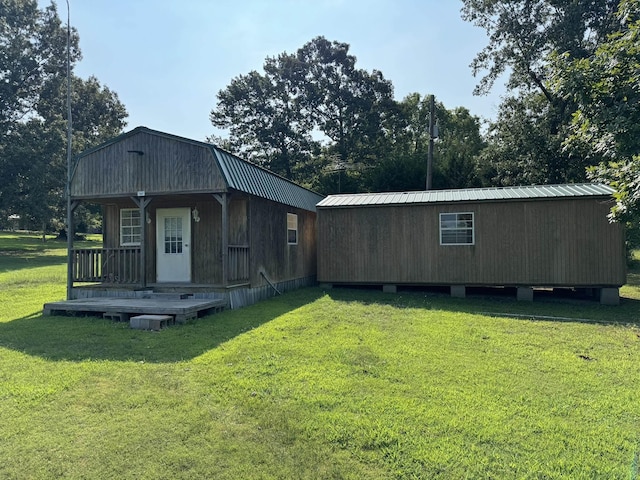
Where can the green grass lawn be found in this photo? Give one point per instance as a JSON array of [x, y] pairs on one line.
[[317, 384]]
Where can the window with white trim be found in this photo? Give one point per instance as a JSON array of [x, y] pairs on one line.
[[457, 229], [130, 227], [292, 229]]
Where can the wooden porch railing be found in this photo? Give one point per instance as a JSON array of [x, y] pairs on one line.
[[122, 265], [238, 263], [107, 265]]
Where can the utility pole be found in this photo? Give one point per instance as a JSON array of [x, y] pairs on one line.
[[432, 115]]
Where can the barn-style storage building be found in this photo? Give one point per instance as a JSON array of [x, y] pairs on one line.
[[525, 237], [183, 215]]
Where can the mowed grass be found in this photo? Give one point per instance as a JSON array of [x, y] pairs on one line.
[[317, 384]]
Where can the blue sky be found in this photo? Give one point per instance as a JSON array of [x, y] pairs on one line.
[[168, 59]]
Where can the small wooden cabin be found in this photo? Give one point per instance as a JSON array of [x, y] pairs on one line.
[[183, 215], [524, 237]]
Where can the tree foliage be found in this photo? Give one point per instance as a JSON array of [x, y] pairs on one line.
[[456, 150], [314, 117], [522, 34], [348, 105], [526, 140], [281, 117], [264, 118], [32, 52], [606, 124], [522, 150], [33, 56]]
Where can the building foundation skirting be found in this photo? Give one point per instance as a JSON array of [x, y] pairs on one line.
[[243, 297]]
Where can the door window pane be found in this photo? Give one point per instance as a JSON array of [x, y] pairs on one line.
[[173, 235]]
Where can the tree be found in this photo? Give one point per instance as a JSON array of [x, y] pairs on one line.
[[606, 125], [33, 71], [457, 149], [97, 112], [33, 148], [526, 141], [32, 51], [281, 117], [522, 150], [347, 104], [455, 152], [522, 34], [264, 118]]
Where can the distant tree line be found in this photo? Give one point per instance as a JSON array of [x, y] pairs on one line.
[[33, 73]]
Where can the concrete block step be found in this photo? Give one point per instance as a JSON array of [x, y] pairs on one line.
[[150, 322]]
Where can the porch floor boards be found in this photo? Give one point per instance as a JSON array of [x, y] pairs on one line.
[[181, 309]]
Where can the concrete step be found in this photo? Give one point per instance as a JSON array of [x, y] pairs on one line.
[[150, 322]]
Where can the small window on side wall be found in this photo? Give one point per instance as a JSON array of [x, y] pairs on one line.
[[292, 229], [457, 229], [130, 227]]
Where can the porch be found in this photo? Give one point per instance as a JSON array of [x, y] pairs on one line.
[[181, 309], [123, 266]]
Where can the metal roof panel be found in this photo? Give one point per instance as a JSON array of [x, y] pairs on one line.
[[255, 180], [468, 195]]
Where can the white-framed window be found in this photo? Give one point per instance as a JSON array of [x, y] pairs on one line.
[[457, 229], [292, 229], [130, 227]]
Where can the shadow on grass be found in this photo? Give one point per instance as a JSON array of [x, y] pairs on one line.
[[563, 306], [19, 252], [61, 338], [11, 261]]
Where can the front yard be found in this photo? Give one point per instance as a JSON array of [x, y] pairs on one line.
[[317, 384]]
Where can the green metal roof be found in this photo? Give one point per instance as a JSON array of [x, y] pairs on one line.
[[533, 192], [250, 178]]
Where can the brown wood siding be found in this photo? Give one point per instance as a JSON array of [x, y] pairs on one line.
[[269, 249], [560, 242], [238, 221], [206, 260], [168, 165]]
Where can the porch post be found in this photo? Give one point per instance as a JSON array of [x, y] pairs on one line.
[[71, 206], [223, 199], [142, 203]]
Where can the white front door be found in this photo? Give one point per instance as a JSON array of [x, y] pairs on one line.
[[173, 241]]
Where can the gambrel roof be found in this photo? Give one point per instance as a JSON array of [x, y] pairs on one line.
[[158, 163]]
